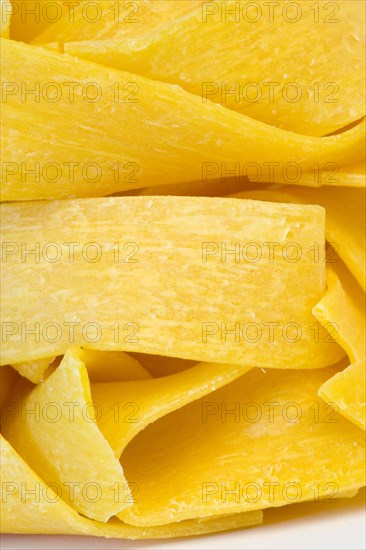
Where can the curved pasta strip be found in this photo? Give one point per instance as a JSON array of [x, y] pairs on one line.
[[228, 59], [328, 175], [344, 305], [154, 398], [347, 390], [205, 445], [43, 512], [344, 223], [100, 146], [263, 440], [175, 286], [103, 366], [112, 366], [62, 415], [353, 176], [130, 21]]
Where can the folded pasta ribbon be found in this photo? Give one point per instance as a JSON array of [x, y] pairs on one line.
[[223, 280], [117, 117]]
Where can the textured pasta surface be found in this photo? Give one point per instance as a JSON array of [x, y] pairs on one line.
[[182, 252]]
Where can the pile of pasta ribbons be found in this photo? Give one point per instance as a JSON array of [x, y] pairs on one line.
[[183, 267]]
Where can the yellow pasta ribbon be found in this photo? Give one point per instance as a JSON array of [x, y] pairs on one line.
[[252, 305], [263, 440], [239, 55], [116, 118]]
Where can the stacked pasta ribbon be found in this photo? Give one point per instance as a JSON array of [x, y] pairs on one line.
[[183, 263]]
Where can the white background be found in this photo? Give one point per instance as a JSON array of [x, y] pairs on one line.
[[308, 526]]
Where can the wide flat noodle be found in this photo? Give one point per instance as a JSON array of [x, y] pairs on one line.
[[347, 390], [316, 91], [115, 21], [103, 366], [53, 427], [328, 175], [235, 178], [116, 117], [345, 220], [175, 286], [343, 305], [77, 467], [30, 506], [342, 309], [264, 440], [126, 408]]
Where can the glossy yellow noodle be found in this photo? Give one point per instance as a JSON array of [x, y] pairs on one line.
[[103, 366], [343, 305], [116, 21], [117, 116], [148, 400], [141, 280], [62, 405], [327, 175], [345, 225], [346, 389], [263, 440], [32, 433], [239, 54], [255, 177], [182, 286], [43, 512]]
